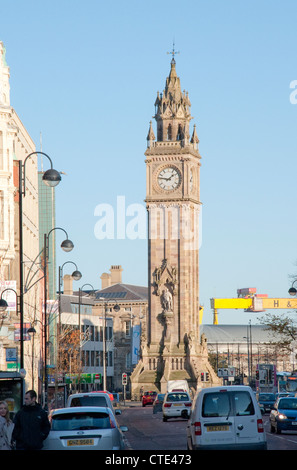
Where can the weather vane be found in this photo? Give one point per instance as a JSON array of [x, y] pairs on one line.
[[173, 52]]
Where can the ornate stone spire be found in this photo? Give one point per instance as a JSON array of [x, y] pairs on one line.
[[173, 110]]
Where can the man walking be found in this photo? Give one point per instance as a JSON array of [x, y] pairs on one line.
[[31, 424]]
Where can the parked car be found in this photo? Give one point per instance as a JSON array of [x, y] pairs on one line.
[[92, 399], [157, 405], [148, 398], [283, 416], [226, 418], [267, 400], [84, 428], [176, 404]]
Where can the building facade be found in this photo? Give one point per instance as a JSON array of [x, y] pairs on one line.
[[15, 146]]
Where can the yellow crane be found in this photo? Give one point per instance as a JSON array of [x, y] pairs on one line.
[[250, 301]]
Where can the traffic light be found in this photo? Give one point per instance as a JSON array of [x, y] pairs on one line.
[[202, 377], [207, 376], [124, 378]]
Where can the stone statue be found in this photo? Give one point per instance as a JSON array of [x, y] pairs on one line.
[[166, 300]]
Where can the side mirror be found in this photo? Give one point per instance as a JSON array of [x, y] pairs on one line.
[[124, 428], [118, 412]]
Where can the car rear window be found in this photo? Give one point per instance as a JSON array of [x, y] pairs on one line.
[[150, 394], [288, 403], [80, 421], [219, 404], [89, 401], [266, 397], [177, 397], [216, 404], [243, 404]]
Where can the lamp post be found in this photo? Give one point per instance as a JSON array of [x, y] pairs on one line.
[[51, 178], [79, 326], [66, 246], [116, 309], [76, 275]]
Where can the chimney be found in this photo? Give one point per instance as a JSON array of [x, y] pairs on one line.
[[105, 280], [68, 284], [116, 275]]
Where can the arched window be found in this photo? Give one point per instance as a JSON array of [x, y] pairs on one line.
[[180, 132], [169, 132]]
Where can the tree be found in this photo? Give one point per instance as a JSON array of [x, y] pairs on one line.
[[283, 329]]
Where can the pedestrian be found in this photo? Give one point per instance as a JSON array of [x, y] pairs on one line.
[[6, 427], [31, 424]]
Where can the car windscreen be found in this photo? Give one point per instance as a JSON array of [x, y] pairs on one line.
[[80, 421], [89, 401], [177, 397], [288, 404]]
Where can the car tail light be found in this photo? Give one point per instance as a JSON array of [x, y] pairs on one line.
[[260, 425], [188, 404], [167, 405], [197, 427], [112, 423]]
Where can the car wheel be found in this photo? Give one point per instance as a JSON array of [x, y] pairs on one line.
[[164, 418], [143, 404], [272, 429]]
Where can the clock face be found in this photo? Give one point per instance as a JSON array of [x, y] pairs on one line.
[[169, 178]]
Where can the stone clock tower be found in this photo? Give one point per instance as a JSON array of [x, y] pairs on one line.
[[170, 345]]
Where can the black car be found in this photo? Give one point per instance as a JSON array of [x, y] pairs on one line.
[[267, 400]]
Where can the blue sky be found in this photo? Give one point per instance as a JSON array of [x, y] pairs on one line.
[[86, 74]]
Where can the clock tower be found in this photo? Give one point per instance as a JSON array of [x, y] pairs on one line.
[[171, 348]]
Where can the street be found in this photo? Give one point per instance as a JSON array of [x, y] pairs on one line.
[[147, 431]]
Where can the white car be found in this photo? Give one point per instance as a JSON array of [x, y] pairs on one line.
[[92, 399], [84, 428], [226, 418], [176, 404]]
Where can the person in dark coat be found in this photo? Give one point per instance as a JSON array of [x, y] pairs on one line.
[[31, 424]]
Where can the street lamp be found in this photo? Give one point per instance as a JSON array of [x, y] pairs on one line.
[[67, 245], [79, 326], [293, 291], [51, 178], [76, 275], [116, 309]]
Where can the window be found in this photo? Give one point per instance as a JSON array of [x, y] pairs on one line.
[[216, 405], [73, 422], [243, 404], [127, 328]]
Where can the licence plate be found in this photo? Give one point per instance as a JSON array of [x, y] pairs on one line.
[[294, 423], [80, 442], [217, 428], [176, 404]]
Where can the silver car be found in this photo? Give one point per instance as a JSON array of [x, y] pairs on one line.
[[84, 428]]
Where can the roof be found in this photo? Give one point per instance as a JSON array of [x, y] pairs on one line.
[[123, 292], [237, 333]]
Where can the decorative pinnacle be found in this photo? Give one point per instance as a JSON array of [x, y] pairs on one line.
[[173, 53]]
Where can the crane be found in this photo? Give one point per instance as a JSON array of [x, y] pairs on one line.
[[248, 300]]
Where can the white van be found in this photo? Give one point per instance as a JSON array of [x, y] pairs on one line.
[[226, 418]]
